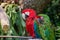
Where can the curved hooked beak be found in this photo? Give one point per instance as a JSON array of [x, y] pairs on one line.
[[24, 16]]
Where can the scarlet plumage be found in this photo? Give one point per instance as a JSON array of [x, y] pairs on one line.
[[30, 21], [31, 11], [38, 26], [30, 27]]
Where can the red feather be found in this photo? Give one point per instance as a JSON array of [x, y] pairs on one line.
[[31, 11], [30, 21], [30, 27]]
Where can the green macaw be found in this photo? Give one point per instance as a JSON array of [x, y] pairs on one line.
[[45, 29]]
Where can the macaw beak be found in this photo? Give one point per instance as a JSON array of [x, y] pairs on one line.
[[26, 16]]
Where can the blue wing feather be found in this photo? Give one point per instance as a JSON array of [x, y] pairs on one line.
[[35, 29]]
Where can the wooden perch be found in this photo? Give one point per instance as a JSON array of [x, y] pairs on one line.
[[14, 37]]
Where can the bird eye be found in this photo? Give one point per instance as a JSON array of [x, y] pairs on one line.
[[41, 17]]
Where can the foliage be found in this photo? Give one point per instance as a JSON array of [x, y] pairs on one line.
[[38, 5], [16, 22], [53, 11]]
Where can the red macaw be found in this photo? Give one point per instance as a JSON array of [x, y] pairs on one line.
[[38, 26], [30, 16]]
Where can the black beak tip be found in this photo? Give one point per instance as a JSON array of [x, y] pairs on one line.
[[26, 16]]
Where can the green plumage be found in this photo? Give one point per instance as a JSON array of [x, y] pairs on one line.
[[45, 29]]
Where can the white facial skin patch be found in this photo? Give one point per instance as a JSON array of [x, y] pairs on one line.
[[23, 16], [27, 13]]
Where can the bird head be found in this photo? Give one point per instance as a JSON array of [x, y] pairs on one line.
[[28, 13]]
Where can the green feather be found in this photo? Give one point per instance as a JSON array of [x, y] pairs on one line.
[[46, 31]]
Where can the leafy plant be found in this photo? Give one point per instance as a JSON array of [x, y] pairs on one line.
[[16, 22], [52, 10]]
